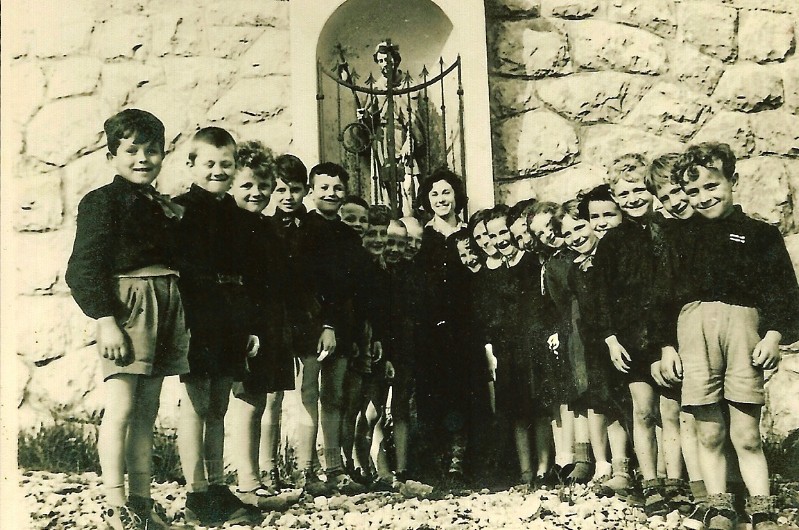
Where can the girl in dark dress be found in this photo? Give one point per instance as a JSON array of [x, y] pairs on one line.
[[521, 329], [443, 369]]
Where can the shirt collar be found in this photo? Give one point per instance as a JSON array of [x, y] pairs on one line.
[[441, 226]]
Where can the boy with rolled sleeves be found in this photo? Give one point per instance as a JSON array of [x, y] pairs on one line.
[[735, 299], [122, 273], [626, 262], [214, 249]]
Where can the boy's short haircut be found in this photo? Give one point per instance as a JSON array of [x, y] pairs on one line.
[[290, 169], [708, 155], [520, 210], [570, 208], [463, 235], [356, 199], [661, 172], [497, 212], [626, 167], [138, 124], [379, 214], [599, 193], [331, 169], [423, 195], [254, 155], [215, 136]]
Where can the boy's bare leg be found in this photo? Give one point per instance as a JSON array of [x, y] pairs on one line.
[[364, 429], [598, 434], [192, 412], [309, 418], [521, 435], [140, 435], [219, 397], [689, 442], [353, 397], [745, 436], [672, 448], [270, 430], [564, 437], [247, 411], [644, 441], [400, 408], [617, 439], [712, 433], [661, 453], [330, 399], [543, 444], [120, 396]]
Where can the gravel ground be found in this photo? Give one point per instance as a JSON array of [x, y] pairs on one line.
[[58, 501]]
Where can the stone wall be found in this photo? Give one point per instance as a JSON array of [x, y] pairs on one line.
[[573, 84]]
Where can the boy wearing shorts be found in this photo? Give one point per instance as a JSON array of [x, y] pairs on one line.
[[214, 251], [736, 297], [122, 274]]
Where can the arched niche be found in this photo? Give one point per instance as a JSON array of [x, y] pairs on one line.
[[425, 30]]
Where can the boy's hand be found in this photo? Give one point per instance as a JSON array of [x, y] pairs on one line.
[[327, 343], [655, 371], [670, 365], [377, 351], [618, 354], [111, 341], [492, 361], [553, 341], [390, 372], [766, 354], [253, 345]]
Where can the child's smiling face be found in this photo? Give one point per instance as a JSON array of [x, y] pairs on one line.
[[288, 195], [480, 235], [603, 215], [396, 242], [710, 193], [521, 234], [541, 227], [467, 255], [214, 167], [251, 192], [355, 216], [137, 163], [500, 236], [578, 235], [374, 239], [328, 193], [675, 201], [632, 197]]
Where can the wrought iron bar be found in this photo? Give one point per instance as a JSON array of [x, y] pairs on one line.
[[443, 108], [320, 97], [426, 99], [398, 92], [460, 119]]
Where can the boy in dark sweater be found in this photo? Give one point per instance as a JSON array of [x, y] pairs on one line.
[[735, 299], [329, 253], [122, 273], [625, 262], [214, 250]]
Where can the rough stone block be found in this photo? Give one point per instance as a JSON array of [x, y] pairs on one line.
[[82, 175], [274, 13], [763, 191], [602, 143], [749, 87], [38, 205], [60, 28], [251, 100], [765, 37], [274, 132], [17, 33], [777, 6], [670, 109], [65, 128], [27, 91], [175, 177], [792, 244], [230, 42], [711, 29], [776, 132], [790, 84], [122, 36], [171, 107], [121, 80], [40, 261], [164, 26], [177, 32], [658, 16], [535, 142], [513, 8], [521, 48], [51, 327], [73, 76], [559, 186], [697, 71], [781, 415], [570, 9], [732, 128], [594, 97], [792, 170], [201, 80], [269, 55], [511, 96], [599, 45]]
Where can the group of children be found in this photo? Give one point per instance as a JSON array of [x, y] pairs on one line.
[[557, 318]]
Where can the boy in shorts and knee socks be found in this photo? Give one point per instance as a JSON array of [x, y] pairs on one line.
[[735, 298], [122, 274], [215, 245]]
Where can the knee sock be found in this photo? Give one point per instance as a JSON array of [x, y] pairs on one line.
[[333, 462], [698, 490], [306, 446], [216, 471], [139, 484]]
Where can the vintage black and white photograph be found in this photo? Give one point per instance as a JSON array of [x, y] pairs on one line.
[[400, 264]]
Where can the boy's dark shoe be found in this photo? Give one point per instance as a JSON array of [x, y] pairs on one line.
[[720, 514], [313, 485], [762, 512], [696, 519], [229, 508], [199, 509], [342, 483], [273, 481], [123, 518], [678, 496], [620, 483], [654, 498], [382, 484], [581, 474], [149, 511]]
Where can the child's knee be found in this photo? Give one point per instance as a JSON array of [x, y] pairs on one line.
[[645, 417], [746, 439], [711, 435]]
